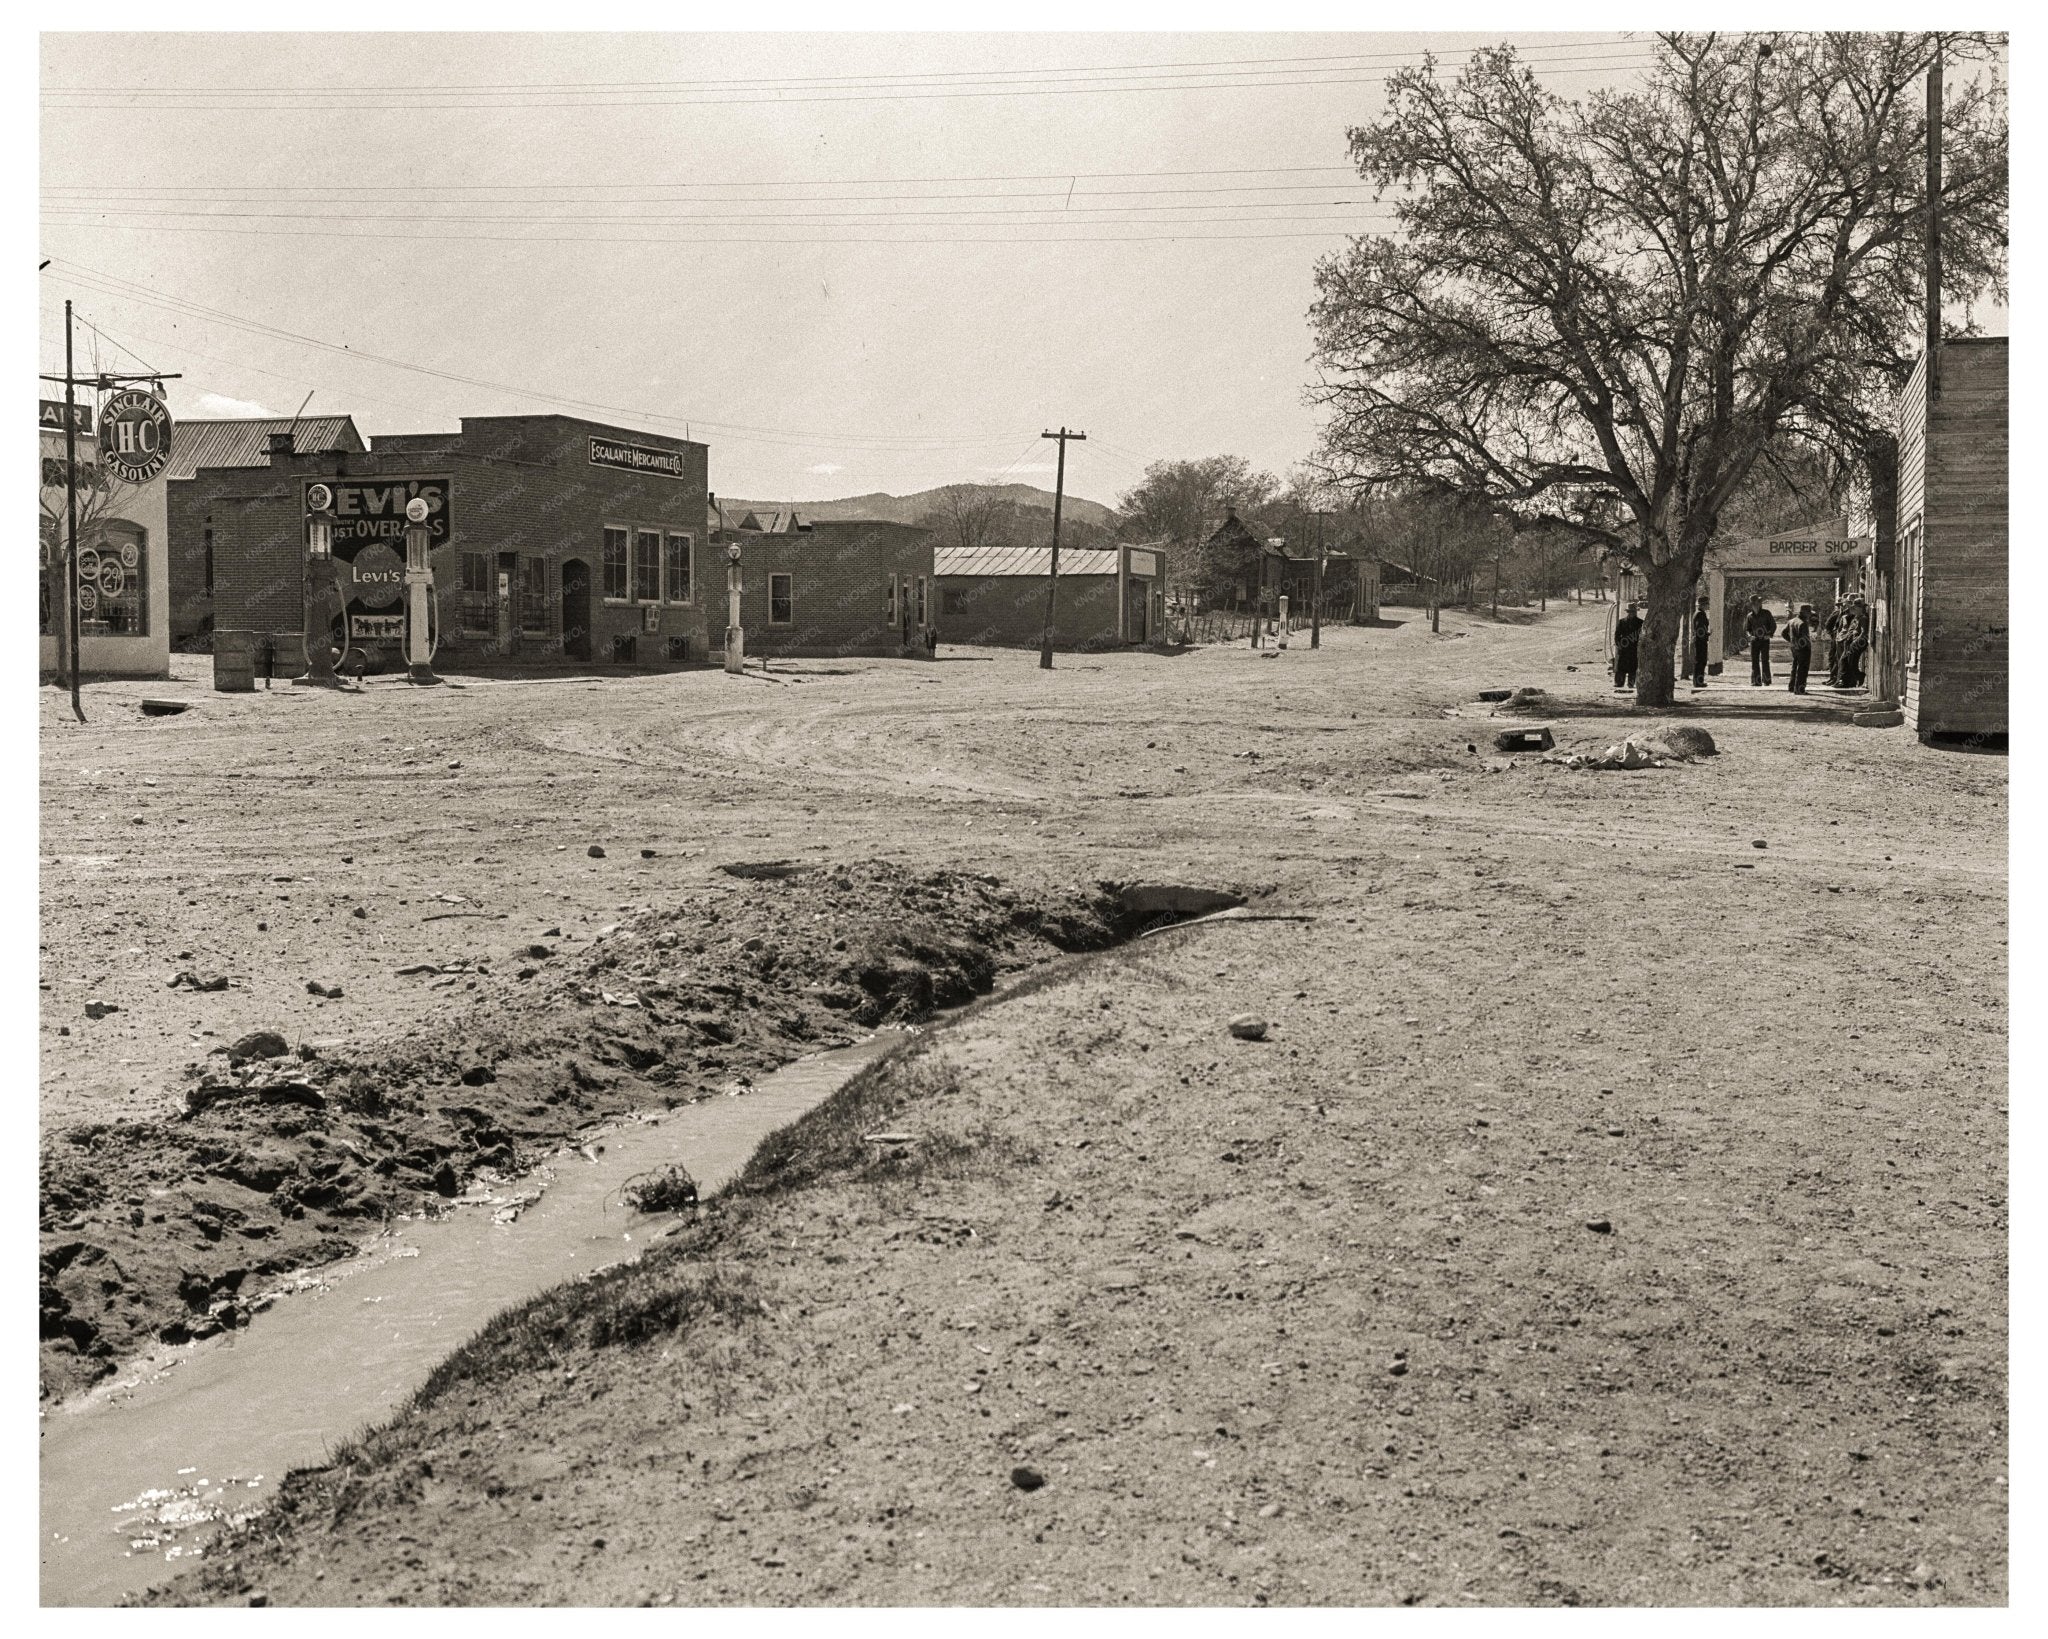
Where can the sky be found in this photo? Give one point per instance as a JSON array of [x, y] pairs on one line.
[[845, 262]]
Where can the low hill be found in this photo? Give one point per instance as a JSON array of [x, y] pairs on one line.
[[908, 509]]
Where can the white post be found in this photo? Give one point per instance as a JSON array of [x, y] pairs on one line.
[[1283, 620], [735, 638]]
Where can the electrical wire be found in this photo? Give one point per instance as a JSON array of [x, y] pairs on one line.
[[558, 239], [339, 99], [114, 285], [325, 189], [1254, 64]]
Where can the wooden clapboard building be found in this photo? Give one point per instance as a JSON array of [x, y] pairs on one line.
[[1947, 609]]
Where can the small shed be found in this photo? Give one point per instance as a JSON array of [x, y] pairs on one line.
[[1109, 597]]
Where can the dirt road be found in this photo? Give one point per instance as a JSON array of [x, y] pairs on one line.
[[1322, 1318]]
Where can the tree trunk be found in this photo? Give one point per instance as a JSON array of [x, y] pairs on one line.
[[1666, 586]]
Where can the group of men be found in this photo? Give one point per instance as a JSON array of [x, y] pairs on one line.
[[1847, 631]]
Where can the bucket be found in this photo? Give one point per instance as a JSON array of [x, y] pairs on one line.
[[234, 662]]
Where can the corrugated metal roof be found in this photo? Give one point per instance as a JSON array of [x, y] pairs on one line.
[[1022, 560], [196, 444]]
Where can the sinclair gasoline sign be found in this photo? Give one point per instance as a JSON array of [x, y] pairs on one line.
[[135, 435], [371, 511]]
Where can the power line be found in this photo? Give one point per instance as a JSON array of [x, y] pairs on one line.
[[1035, 217], [598, 240], [115, 285], [312, 98], [109, 337], [89, 198], [581, 187], [1255, 64]]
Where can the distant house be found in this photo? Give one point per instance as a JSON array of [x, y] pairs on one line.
[[1108, 597], [1251, 564], [237, 443]]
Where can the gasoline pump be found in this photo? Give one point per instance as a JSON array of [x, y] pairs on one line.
[[421, 639]]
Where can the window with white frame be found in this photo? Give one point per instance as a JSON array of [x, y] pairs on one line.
[[111, 600]]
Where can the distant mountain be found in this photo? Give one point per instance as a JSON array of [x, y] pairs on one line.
[[908, 509]]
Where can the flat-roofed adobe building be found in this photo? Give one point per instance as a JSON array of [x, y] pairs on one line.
[[1109, 597], [828, 587], [554, 540]]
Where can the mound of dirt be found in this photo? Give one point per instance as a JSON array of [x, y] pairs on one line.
[[172, 1229], [1683, 740]]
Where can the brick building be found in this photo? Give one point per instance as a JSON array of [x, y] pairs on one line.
[[554, 539], [831, 587], [1946, 612], [1108, 596], [243, 443]]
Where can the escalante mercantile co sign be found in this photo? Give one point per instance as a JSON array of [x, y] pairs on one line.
[[609, 452]]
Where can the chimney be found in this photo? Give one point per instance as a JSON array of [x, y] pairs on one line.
[[278, 446]]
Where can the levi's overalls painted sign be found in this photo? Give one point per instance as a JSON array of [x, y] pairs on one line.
[[372, 510]]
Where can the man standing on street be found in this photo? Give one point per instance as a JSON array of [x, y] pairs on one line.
[[1855, 639], [1761, 626], [1702, 629], [1628, 633], [1799, 644]]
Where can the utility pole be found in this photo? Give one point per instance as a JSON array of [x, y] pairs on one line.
[[1934, 223], [1052, 579], [1542, 575], [103, 382], [1315, 612], [71, 513]]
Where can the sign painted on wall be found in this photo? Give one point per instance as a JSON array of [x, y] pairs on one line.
[[376, 576], [1145, 564], [50, 417], [376, 628], [609, 452], [365, 511], [135, 435]]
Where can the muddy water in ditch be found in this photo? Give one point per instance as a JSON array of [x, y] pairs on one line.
[[137, 1476]]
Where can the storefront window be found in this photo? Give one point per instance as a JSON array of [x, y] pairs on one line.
[[647, 566], [477, 613], [533, 595], [615, 563], [679, 569], [112, 596]]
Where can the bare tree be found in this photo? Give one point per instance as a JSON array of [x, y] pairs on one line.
[[969, 515], [1604, 314]]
